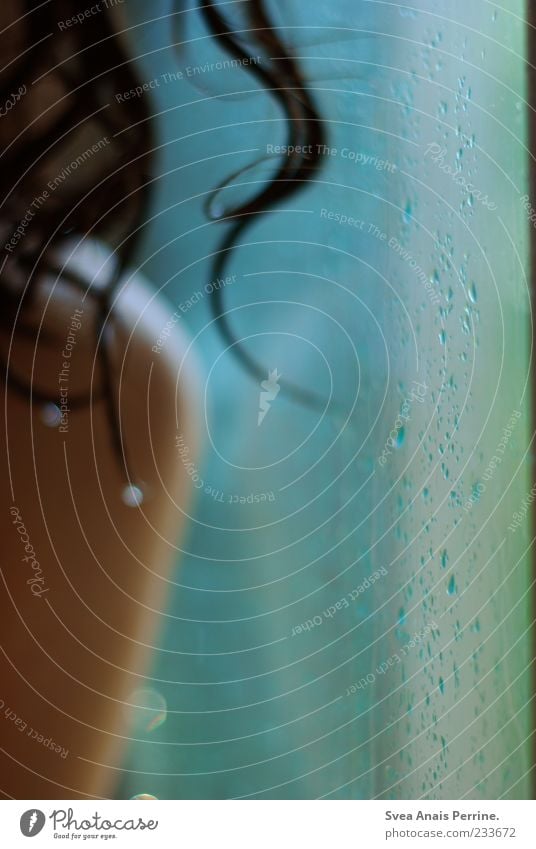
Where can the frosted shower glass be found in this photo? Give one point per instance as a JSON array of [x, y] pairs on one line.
[[362, 631]]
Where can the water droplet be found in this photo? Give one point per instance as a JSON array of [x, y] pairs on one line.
[[391, 775], [473, 295], [400, 437], [441, 684], [408, 212], [132, 496], [475, 492], [217, 209], [51, 415], [442, 337], [148, 710], [401, 616], [451, 588], [444, 558]]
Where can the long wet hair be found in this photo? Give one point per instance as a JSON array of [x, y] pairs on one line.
[[60, 79]]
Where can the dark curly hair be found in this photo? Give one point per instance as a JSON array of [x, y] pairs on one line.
[[65, 82]]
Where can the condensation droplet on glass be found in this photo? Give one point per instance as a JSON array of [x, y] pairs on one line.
[[217, 210], [132, 496], [475, 494], [451, 588], [51, 415], [473, 294], [149, 709], [466, 324], [444, 558]]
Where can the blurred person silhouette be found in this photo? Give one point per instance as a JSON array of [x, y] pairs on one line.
[[93, 499]]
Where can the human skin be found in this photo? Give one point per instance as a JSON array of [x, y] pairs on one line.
[[75, 643]]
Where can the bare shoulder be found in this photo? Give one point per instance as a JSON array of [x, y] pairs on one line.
[[140, 305], [98, 565], [155, 363]]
